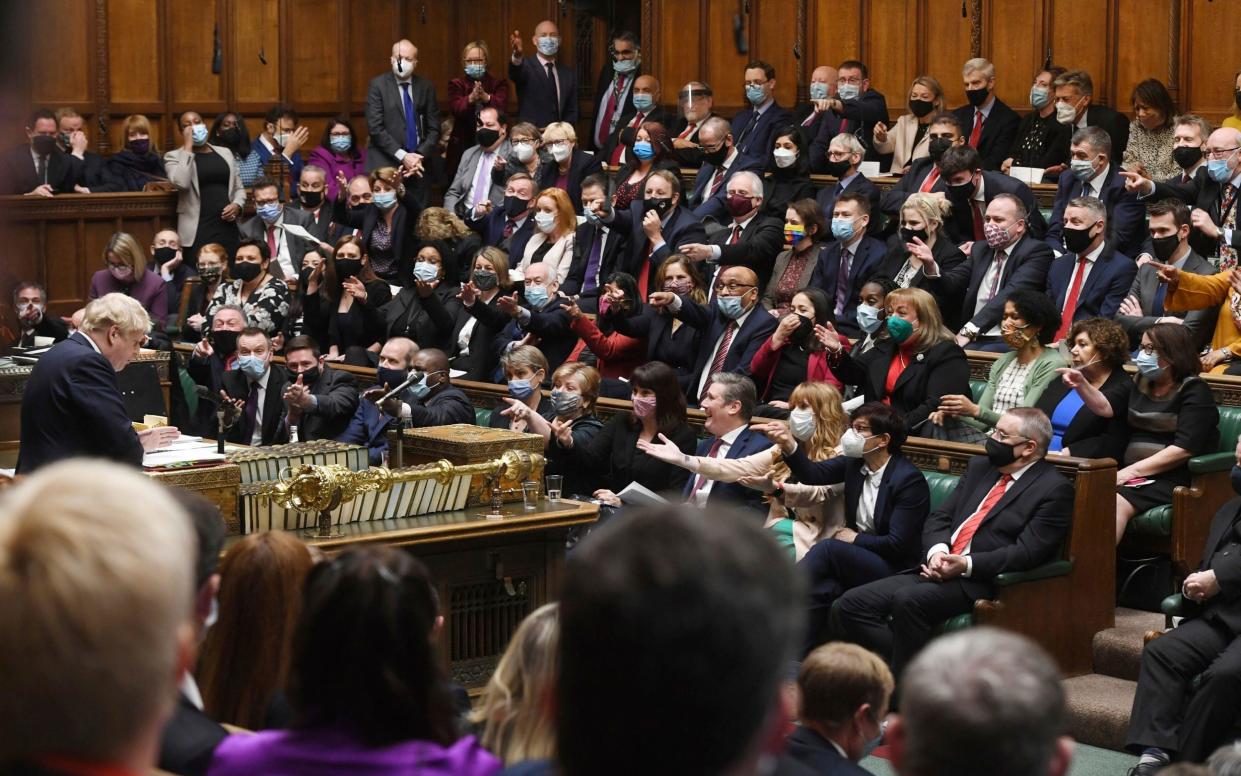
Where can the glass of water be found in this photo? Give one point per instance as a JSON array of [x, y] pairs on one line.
[[530, 495], [554, 483]]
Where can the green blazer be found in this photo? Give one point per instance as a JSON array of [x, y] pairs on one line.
[[1041, 373]]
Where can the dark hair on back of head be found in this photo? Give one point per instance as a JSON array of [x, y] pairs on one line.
[[209, 529], [1037, 309]]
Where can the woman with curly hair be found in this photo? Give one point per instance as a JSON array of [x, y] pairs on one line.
[[456, 242], [1098, 349]]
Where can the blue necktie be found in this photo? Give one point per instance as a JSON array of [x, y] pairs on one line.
[[1160, 293], [411, 120]]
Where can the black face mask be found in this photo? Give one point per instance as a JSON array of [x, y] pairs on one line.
[[164, 255], [960, 191], [311, 199], [1186, 156], [43, 145], [485, 281], [230, 138], [224, 342], [486, 136], [1164, 247], [209, 274], [805, 328], [936, 146], [836, 169], [514, 206], [716, 157], [348, 268], [390, 378], [908, 235], [1000, 454], [246, 270], [309, 377], [660, 205], [1077, 240], [921, 108], [139, 147], [976, 96]]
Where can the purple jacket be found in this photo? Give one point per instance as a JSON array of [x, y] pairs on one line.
[[332, 162], [149, 291], [326, 752]]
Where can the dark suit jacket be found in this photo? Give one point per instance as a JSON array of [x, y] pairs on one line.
[[859, 184], [274, 432], [1115, 124], [338, 398], [255, 229], [688, 157], [704, 205], [813, 750], [758, 326], [482, 360], [941, 370], [998, 130], [551, 325], [50, 326], [72, 406], [1026, 267], [752, 130], [678, 349], [1126, 214], [867, 257], [1105, 288], [818, 133], [961, 223], [1223, 555], [385, 119], [760, 242], [1087, 434], [1201, 192], [446, 406], [429, 322], [947, 255], [537, 95], [581, 165], [491, 228], [681, 227], [189, 740], [320, 227], [900, 509], [747, 443], [405, 241], [1201, 323], [18, 173], [1025, 529], [894, 198], [858, 117], [615, 250], [92, 173]]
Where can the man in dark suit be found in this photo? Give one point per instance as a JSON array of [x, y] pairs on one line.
[[402, 117], [845, 692], [733, 328], [1093, 173], [752, 127], [970, 189], [72, 404], [538, 314], [858, 108], [728, 403], [811, 115], [1212, 194], [924, 174], [645, 101], [92, 175], [1143, 307], [433, 401], [697, 103], [597, 250], [749, 240], [721, 160], [311, 188], [844, 156], [1188, 686], [546, 89], [614, 87], [319, 401], [214, 356], [507, 225], [1075, 106], [287, 250], [473, 184], [1009, 258], [40, 168], [1009, 512], [656, 227], [1092, 279], [30, 304], [848, 262], [991, 126], [255, 392]]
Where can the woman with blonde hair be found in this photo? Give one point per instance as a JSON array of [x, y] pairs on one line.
[[803, 514], [125, 272], [555, 229], [139, 162], [908, 138], [457, 243], [569, 164], [920, 239], [575, 389], [476, 88], [514, 713], [473, 348]]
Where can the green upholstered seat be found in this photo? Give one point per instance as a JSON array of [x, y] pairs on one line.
[[482, 416], [941, 486], [977, 387]]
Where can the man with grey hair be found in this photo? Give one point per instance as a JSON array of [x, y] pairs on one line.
[[990, 125], [981, 702], [1092, 279], [844, 155], [312, 200], [1075, 107], [750, 239], [1093, 172], [1009, 512], [728, 403], [721, 160]]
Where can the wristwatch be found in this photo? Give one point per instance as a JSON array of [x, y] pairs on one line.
[[778, 493], [967, 333]]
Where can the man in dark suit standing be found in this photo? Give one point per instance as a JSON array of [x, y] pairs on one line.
[[403, 119], [1009, 512], [844, 156], [1187, 698], [970, 190], [752, 127], [255, 392], [720, 161], [1143, 307], [750, 239], [1075, 107], [1093, 173], [546, 89], [319, 401], [1007, 258], [858, 108], [614, 88], [597, 250], [1092, 279], [848, 262], [990, 125], [41, 168], [72, 404], [728, 402]]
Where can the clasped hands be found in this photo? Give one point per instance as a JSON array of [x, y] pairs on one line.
[[944, 566]]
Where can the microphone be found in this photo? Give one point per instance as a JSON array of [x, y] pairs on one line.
[[414, 377]]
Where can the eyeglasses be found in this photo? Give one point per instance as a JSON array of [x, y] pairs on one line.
[[1148, 350], [732, 288], [1221, 153], [1006, 438]]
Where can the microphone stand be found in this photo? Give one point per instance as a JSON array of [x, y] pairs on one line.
[[396, 452]]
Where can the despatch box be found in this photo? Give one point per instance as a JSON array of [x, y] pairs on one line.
[[464, 443]]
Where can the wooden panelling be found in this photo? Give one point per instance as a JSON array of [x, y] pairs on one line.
[[189, 31], [314, 59], [834, 29], [891, 48], [725, 65], [373, 25], [1012, 36], [1210, 73], [944, 47], [255, 36], [61, 67], [439, 55], [1080, 30], [670, 54], [133, 52], [775, 33], [1141, 49]]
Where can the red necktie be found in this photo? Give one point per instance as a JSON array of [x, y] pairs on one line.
[[967, 530], [929, 183], [605, 126], [976, 132], [700, 480], [979, 234], [736, 237], [689, 130], [1070, 301], [716, 181], [509, 226], [717, 363], [271, 241], [1000, 256]]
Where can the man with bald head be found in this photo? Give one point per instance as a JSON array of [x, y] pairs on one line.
[[1211, 196], [749, 239], [402, 117], [430, 401], [546, 89], [644, 100], [734, 326], [721, 160], [817, 112]]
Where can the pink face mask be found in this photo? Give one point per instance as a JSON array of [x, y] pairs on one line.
[[643, 406], [997, 236]]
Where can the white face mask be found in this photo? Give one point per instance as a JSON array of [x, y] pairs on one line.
[[403, 68], [546, 222], [523, 151], [853, 444], [1065, 112], [801, 423], [784, 157], [561, 151]]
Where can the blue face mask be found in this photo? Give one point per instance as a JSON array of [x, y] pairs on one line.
[[269, 212], [1083, 170], [475, 71], [848, 91], [426, 271], [1039, 97], [643, 102], [536, 295], [870, 745], [842, 229], [199, 134], [643, 150], [1218, 169], [252, 367], [384, 200], [520, 389], [341, 143], [755, 94], [818, 91], [730, 306], [868, 318], [548, 46], [1148, 365], [624, 66], [419, 389]]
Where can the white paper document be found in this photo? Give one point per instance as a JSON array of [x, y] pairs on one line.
[[1027, 175], [300, 231], [641, 496]]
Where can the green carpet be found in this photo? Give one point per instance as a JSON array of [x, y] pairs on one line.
[[1087, 761]]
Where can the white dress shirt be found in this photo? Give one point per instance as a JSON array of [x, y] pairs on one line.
[[869, 497], [946, 548], [706, 370], [700, 496]]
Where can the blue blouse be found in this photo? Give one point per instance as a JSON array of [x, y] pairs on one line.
[[1066, 410]]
